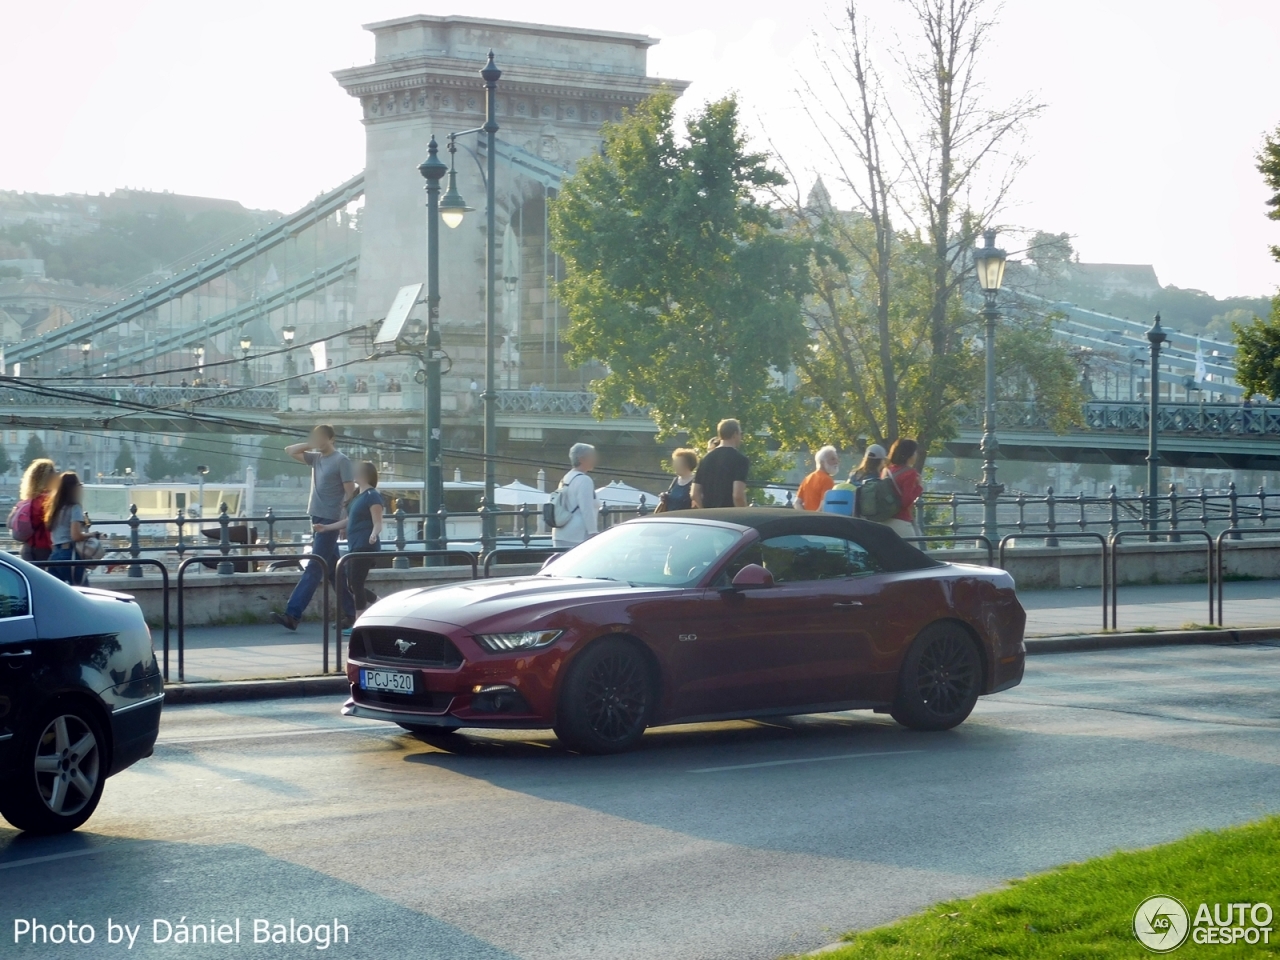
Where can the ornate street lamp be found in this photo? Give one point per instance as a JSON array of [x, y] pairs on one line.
[[1155, 336], [198, 351], [246, 344], [432, 170], [85, 348], [988, 262], [452, 208]]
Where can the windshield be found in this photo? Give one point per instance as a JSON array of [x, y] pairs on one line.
[[661, 554]]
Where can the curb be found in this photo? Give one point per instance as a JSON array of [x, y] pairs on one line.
[[1164, 638], [231, 691]]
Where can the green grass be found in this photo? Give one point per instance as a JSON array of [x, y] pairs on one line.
[[1084, 911]]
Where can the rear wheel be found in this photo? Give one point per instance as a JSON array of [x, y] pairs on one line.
[[940, 679], [607, 698], [60, 769]]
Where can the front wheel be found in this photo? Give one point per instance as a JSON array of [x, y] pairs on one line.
[[940, 679], [607, 698], [60, 769]]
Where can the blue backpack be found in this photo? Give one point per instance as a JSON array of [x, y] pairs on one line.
[[838, 501]]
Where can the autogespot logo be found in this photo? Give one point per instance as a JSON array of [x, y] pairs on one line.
[[1161, 924]]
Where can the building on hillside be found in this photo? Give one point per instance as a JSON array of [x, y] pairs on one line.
[[1134, 279]]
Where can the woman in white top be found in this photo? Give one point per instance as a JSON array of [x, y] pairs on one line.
[[581, 490]]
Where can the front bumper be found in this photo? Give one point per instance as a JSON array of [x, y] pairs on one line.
[[460, 695]]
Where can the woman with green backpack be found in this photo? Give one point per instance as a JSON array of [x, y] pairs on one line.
[[891, 498]]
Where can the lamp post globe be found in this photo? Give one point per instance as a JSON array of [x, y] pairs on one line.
[[989, 261]]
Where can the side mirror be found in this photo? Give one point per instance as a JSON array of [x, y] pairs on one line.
[[751, 576]]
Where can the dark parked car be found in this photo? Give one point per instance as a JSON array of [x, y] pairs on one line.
[[697, 615], [80, 695]]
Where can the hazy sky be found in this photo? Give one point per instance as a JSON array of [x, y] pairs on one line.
[[1156, 108]]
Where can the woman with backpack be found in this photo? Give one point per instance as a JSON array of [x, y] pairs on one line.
[[906, 479], [68, 526], [27, 523]]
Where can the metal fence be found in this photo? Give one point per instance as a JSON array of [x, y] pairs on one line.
[[1232, 511]]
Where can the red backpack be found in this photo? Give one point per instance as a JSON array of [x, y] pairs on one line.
[[20, 521]]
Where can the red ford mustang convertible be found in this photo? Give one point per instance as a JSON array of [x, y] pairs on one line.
[[690, 616]]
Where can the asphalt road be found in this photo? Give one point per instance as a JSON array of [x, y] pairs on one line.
[[742, 840]]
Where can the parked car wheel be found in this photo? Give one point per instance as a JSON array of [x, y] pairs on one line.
[[60, 771], [607, 698], [940, 679]]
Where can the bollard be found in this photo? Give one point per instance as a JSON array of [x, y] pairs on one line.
[[225, 567], [135, 547], [401, 562]]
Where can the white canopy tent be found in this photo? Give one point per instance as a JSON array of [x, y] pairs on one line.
[[619, 494]]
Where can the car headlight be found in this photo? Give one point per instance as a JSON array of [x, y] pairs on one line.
[[525, 640]]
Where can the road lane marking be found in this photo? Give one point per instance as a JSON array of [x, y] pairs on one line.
[[10, 864], [164, 742], [783, 763]]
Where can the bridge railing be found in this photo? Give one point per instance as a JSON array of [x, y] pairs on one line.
[[1124, 416], [1043, 516], [160, 396]]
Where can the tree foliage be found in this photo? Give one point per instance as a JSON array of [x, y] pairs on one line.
[[34, 450], [124, 460], [894, 352], [1258, 354], [6, 464], [677, 277], [1269, 167]]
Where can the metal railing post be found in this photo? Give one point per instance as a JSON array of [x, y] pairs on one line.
[[135, 547], [400, 562], [271, 530], [182, 546], [1051, 523], [225, 567], [1173, 514], [1113, 502], [1233, 516]]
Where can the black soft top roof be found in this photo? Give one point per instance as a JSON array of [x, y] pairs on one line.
[[894, 552]]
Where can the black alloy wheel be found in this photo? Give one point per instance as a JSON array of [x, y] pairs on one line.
[[607, 698], [940, 680]]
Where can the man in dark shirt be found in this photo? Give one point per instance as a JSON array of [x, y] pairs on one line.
[[721, 478]]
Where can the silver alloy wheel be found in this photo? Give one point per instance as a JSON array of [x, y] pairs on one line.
[[66, 765]]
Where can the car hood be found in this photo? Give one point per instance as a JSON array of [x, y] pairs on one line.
[[467, 603]]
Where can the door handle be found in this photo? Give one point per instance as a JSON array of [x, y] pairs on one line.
[[846, 604], [17, 653]]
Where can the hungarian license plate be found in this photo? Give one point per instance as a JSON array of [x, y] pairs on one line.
[[386, 681]]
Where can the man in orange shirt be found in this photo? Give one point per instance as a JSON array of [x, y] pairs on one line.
[[815, 486]]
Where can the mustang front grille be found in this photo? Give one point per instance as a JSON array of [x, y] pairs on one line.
[[395, 645]]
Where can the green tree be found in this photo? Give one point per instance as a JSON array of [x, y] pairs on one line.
[[34, 450], [159, 466], [1269, 167], [894, 351], [5, 463], [677, 276], [273, 462], [217, 454], [124, 459], [1258, 354]]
